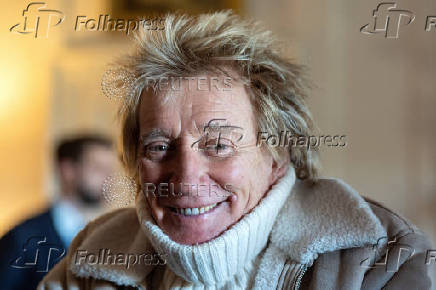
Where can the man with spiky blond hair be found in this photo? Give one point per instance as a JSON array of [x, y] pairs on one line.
[[271, 222]]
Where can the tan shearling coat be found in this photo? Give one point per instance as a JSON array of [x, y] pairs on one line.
[[336, 238]]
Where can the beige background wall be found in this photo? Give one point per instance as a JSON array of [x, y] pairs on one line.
[[379, 92]]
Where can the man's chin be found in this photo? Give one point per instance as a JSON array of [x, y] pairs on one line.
[[187, 238]]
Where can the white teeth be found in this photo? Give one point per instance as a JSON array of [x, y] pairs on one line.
[[195, 210]]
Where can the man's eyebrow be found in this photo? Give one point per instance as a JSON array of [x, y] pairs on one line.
[[153, 133]]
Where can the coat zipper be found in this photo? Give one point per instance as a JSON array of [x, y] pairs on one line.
[[299, 277]]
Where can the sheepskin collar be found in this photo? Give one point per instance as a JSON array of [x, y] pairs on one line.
[[315, 218], [323, 217]]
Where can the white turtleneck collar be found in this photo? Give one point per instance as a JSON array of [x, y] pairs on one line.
[[216, 261]]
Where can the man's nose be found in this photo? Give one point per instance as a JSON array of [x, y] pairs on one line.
[[189, 168]]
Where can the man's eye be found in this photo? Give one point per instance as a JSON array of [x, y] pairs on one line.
[[220, 148], [156, 150]]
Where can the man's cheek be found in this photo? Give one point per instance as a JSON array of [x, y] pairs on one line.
[[150, 171], [237, 206], [145, 171], [156, 210], [230, 172]]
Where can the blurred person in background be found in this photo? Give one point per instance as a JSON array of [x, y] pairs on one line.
[[30, 249]]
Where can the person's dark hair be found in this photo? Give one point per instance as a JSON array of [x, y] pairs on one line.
[[72, 148]]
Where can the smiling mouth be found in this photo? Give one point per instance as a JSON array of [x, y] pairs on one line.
[[193, 211]]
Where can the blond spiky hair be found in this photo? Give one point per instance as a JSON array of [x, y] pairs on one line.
[[190, 45]]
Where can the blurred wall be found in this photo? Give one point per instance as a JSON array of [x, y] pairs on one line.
[[50, 89], [25, 107], [379, 92]]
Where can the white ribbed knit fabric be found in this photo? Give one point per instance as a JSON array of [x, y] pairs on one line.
[[229, 261]]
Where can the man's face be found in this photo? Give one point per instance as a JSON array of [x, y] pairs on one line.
[[201, 146], [96, 164]]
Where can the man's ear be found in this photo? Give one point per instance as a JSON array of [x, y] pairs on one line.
[[280, 167]]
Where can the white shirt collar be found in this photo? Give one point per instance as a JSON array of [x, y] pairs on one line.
[[67, 220]]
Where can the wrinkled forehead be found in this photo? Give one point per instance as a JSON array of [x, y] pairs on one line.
[[189, 107]]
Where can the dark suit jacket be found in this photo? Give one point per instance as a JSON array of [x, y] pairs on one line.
[[29, 251]]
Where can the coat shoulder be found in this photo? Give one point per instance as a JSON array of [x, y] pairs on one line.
[[116, 223], [395, 260], [113, 233], [394, 223]]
